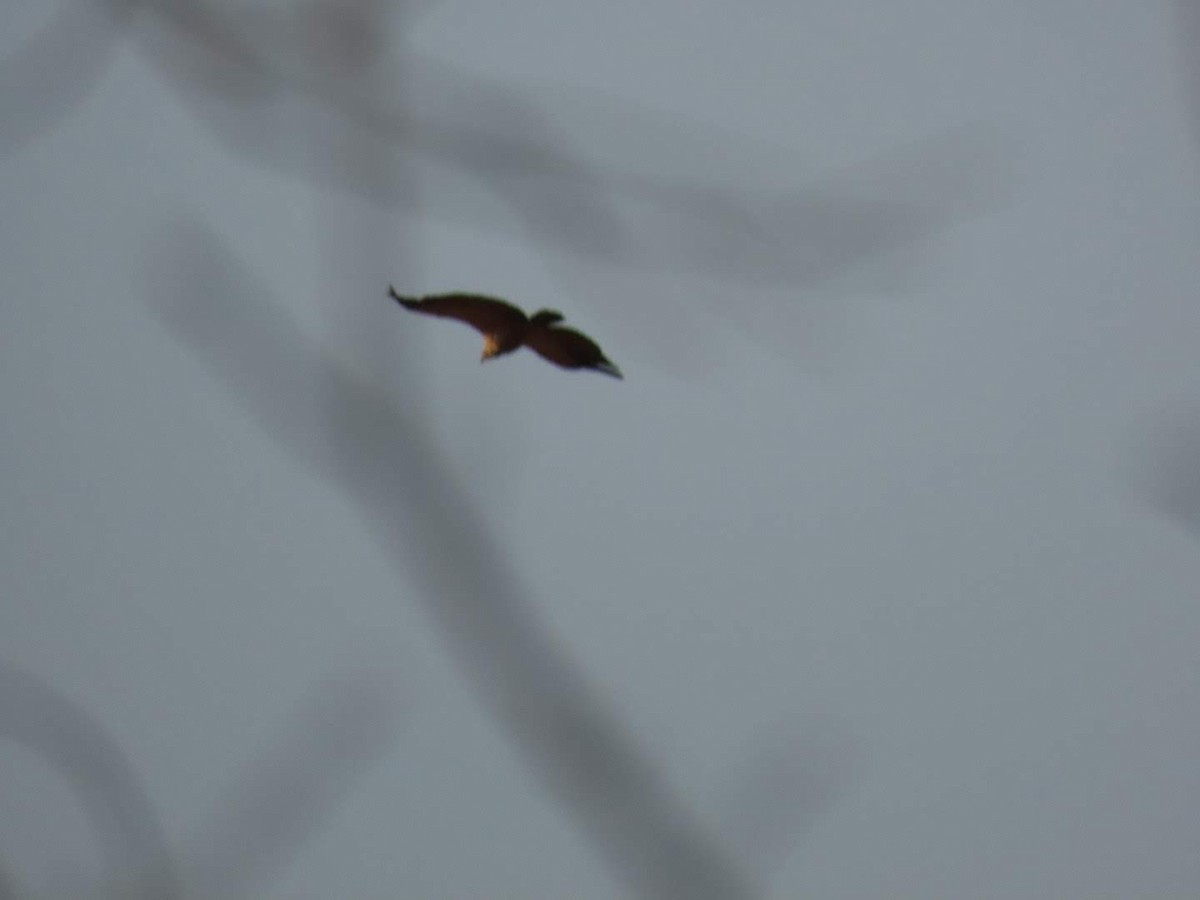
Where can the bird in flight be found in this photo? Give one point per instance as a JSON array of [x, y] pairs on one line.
[[505, 328]]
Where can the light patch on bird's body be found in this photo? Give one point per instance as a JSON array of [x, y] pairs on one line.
[[497, 343], [491, 347]]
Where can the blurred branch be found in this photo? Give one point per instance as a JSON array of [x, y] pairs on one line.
[[280, 801], [512, 149], [62, 733], [1167, 468], [1187, 32], [275, 804], [257, 79], [55, 69], [786, 778]]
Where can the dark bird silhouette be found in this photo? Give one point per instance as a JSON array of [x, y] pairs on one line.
[[506, 328]]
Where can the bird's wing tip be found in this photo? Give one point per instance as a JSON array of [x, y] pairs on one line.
[[407, 302]]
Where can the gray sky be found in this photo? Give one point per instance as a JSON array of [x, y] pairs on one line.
[[885, 553]]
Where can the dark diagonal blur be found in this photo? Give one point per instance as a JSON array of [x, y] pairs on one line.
[[1166, 469], [38, 86], [79, 749], [288, 794]]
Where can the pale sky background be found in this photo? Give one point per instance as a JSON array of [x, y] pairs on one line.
[[886, 552]]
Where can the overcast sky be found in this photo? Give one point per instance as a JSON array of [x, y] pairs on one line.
[[885, 554]]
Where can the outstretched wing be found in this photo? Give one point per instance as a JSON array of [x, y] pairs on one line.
[[485, 314], [568, 348]]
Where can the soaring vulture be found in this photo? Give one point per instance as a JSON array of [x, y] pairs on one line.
[[506, 328]]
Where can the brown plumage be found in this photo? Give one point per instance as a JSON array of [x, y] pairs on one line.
[[506, 328]]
